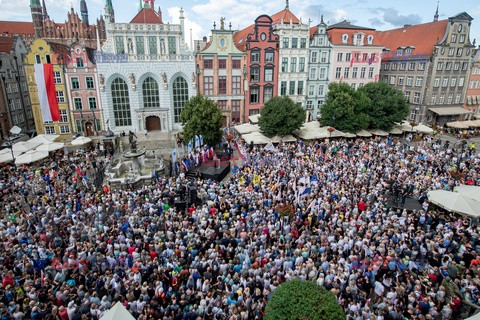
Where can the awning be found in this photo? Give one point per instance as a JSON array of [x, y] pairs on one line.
[[254, 119], [458, 125], [449, 111]]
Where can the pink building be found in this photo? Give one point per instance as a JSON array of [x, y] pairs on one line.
[[356, 54], [82, 90]]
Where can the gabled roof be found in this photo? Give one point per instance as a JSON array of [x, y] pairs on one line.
[[147, 15], [422, 37], [286, 15], [6, 44], [346, 25], [17, 27], [462, 16]]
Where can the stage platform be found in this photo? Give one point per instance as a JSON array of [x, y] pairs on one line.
[[410, 204], [210, 171]]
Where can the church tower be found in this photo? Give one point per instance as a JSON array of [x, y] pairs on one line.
[[84, 12], [37, 17], [109, 12]]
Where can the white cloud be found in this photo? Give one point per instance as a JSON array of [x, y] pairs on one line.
[[340, 15], [197, 30]]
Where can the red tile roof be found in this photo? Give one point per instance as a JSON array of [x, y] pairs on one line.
[[240, 37], [17, 27], [6, 44], [312, 31], [286, 15], [147, 15], [422, 36]]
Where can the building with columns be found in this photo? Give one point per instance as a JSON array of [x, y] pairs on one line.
[[146, 72], [222, 73], [82, 84], [319, 69]]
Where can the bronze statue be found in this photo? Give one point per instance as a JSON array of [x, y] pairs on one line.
[[222, 23], [132, 139]]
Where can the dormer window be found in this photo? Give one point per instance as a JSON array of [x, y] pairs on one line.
[[345, 38], [399, 52], [358, 40], [321, 31], [408, 51], [370, 39]]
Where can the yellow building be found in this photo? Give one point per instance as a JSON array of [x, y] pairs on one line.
[[43, 53]]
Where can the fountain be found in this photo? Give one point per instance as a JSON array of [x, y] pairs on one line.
[[134, 169]]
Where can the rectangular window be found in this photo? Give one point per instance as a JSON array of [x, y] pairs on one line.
[[340, 56], [453, 82], [421, 66], [283, 88], [172, 45], [392, 80], [267, 93], [311, 90], [362, 72], [236, 105], [236, 85], [222, 63], [254, 93], [448, 66], [338, 73], [75, 83], [348, 56], [459, 52], [236, 64], [400, 81], [222, 104], [294, 43], [353, 85], [323, 73], [291, 88], [409, 81], [80, 62], [301, 65], [323, 59], [346, 72], [434, 98], [208, 64], [47, 58], [64, 129], [57, 78], [140, 44], [464, 66], [354, 72], [92, 102], [78, 103], [50, 130], [24, 86], [403, 66], [440, 66], [456, 66], [442, 98], [321, 90], [370, 72], [411, 66], [9, 88], [284, 64], [222, 85], [285, 42], [79, 125], [454, 38], [461, 81], [407, 96], [300, 88], [450, 98], [458, 97], [15, 87], [416, 97], [255, 74], [365, 58], [313, 57], [37, 59], [152, 45], [293, 64], [303, 43], [63, 116], [394, 67], [60, 97], [119, 46], [89, 82], [268, 75], [419, 82], [255, 56], [445, 82], [436, 82], [269, 57], [208, 85], [313, 74]]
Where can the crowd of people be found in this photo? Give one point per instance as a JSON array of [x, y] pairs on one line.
[[319, 211]]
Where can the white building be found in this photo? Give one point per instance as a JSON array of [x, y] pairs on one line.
[[319, 69], [294, 43], [146, 71]]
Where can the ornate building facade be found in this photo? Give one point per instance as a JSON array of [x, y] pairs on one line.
[[222, 73], [146, 74], [14, 84], [82, 89], [472, 101]]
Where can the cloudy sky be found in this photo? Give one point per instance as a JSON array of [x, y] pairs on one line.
[[200, 14]]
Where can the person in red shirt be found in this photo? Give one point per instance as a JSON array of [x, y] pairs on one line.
[[362, 206]]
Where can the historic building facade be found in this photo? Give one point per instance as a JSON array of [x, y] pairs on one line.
[[261, 44], [356, 54], [293, 55], [430, 63], [4, 115], [473, 92], [41, 52], [222, 74], [82, 90], [146, 74], [14, 84], [320, 54]]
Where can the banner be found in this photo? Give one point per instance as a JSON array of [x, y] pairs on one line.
[[47, 95], [174, 155]]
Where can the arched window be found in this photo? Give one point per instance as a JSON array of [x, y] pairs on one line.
[[121, 103], [180, 97], [151, 98]]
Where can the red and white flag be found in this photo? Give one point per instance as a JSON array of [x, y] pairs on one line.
[[47, 95]]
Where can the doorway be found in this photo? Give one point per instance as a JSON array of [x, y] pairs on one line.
[[89, 129], [152, 123]]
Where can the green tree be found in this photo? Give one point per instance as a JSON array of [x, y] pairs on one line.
[[202, 116], [299, 300], [281, 116], [345, 109], [388, 105]]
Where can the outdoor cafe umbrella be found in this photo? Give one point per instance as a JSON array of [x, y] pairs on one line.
[[455, 202], [468, 191], [80, 141], [395, 130], [49, 147], [6, 157], [24, 146], [44, 138], [378, 132], [31, 156], [423, 129], [364, 134]]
